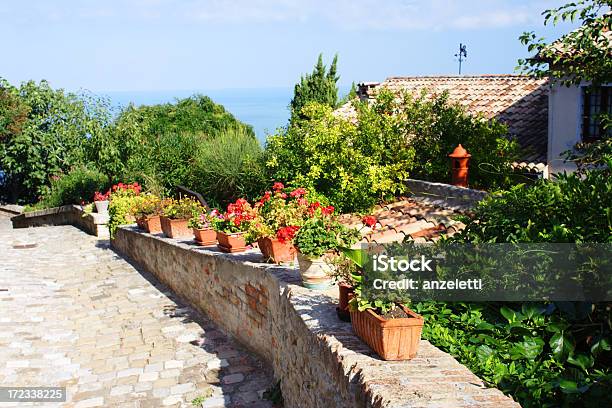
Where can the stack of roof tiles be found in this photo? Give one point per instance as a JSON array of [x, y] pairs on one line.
[[406, 219]]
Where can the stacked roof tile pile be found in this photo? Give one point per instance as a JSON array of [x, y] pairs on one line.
[[408, 219]]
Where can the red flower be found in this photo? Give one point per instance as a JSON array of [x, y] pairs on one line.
[[298, 192], [329, 210], [302, 202], [286, 233], [369, 220], [278, 186]]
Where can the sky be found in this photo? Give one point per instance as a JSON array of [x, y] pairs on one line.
[[155, 45]]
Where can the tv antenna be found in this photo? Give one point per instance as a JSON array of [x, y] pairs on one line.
[[462, 55]]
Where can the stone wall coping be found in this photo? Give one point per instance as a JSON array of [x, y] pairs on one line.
[[433, 378], [445, 195], [12, 209], [95, 217]]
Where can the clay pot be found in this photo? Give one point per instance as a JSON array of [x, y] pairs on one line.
[[205, 236], [315, 272], [231, 242], [275, 251], [346, 293], [391, 339], [101, 207], [150, 223], [175, 228]]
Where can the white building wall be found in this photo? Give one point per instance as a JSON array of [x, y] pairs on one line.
[[564, 125]]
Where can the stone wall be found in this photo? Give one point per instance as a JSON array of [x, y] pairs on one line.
[[92, 223], [445, 195], [317, 357]]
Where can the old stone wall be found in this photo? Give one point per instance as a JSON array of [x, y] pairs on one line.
[[92, 223], [318, 358]]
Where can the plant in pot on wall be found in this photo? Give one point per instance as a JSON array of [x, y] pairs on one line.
[[279, 216], [176, 215], [203, 231], [232, 226], [101, 201], [316, 241], [147, 212], [391, 329]]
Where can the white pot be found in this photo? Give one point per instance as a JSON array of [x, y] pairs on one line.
[[101, 206], [315, 272]]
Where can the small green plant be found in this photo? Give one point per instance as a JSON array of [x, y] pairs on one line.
[[320, 235], [197, 402], [183, 209]]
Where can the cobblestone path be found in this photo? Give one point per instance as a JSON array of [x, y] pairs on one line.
[[73, 313]]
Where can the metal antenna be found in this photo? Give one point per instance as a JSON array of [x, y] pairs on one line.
[[462, 55]]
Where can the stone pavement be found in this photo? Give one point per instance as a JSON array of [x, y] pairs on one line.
[[73, 313]]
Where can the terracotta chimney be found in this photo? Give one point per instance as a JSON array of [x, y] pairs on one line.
[[459, 166]]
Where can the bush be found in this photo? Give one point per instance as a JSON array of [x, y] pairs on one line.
[[354, 165], [76, 187], [228, 167]]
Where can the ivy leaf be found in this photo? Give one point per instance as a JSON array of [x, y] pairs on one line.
[[599, 346], [581, 360], [561, 345]]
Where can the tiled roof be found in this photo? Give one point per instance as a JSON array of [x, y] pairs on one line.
[[521, 102], [407, 218]]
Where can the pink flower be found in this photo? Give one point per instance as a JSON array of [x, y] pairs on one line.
[[298, 192], [278, 186]]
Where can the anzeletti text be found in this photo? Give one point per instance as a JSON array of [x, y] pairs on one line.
[[412, 284], [383, 263]]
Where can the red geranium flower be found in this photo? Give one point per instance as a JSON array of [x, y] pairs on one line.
[[369, 220], [329, 210], [286, 233], [278, 186], [298, 192]]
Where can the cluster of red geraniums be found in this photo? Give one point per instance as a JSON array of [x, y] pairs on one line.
[[98, 196], [134, 188], [236, 219]]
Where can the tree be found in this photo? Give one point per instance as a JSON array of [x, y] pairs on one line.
[[583, 55], [319, 86]]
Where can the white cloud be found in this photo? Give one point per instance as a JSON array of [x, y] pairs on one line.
[[348, 14]]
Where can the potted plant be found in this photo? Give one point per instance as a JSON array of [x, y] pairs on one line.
[[176, 215], [392, 330], [233, 225], [278, 217], [201, 225], [101, 201], [147, 212], [315, 240]]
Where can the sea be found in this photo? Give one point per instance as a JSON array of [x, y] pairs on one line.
[[266, 109]]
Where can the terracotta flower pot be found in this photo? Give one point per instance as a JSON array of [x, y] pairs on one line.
[[346, 293], [101, 206], [391, 339], [275, 251], [150, 223], [315, 272], [205, 236], [175, 228], [231, 242]]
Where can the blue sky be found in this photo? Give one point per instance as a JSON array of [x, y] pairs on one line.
[[152, 45]]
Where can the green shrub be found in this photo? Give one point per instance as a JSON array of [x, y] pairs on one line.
[[121, 208], [228, 167], [354, 165], [76, 187]]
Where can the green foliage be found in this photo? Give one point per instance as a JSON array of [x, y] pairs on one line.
[[581, 55], [229, 166], [320, 235], [569, 209], [183, 209], [120, 209], [354, 165], [76, 187], [439, 126], [357, 163], [544, 355], [43, 134], [320, 86]]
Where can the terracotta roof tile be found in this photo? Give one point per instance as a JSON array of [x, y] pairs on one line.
[[519, 101], [405, 219]]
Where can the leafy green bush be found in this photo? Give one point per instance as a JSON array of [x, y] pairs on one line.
[[76, 187], [123, 203], [354, 165], [229, 166], [43, 133], [568, 209], [544, 355]]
